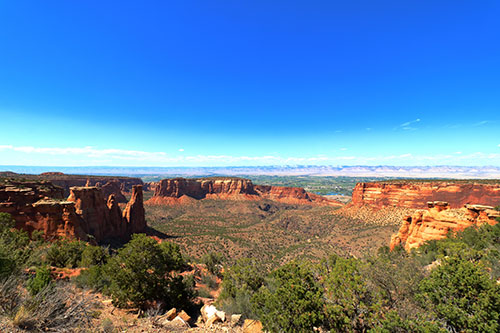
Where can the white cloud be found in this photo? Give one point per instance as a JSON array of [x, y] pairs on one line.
[[481, 123], [408, 126], [30, 155], [181, 149]]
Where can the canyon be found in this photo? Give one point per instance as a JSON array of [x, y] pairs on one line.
[[111, 183], [438, 221], [87, 213], [178, 190], [415, 194]]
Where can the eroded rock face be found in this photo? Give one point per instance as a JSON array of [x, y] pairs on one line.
[[114, 187], [66, 181], [439, 219], [134, 214], [416, 194], [231, 188], [39, 206]]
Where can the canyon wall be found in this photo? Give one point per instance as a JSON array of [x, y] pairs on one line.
[[40, 206], [438, 220], [67, 181], [170, 190], [414, 194]]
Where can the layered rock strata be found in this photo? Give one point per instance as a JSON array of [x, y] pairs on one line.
[[414, 194], [67, 181], [439, 220], [40, 206], [176, 190]]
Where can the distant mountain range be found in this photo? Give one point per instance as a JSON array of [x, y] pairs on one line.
[[444, 171]]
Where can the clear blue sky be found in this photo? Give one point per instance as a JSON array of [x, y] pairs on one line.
[[164, 83]]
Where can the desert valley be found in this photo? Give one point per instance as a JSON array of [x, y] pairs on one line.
[[221, 226]]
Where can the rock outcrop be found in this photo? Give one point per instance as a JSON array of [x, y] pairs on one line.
[[40, 206], [113, 187], [67, 181], [176, 190], [414, 194], [438, 220], [134, 214]]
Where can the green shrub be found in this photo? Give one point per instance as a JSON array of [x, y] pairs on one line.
[[350, 305], [290, 301], [40, 281], [239, 284], [173, 255], [462, 294], [93, 255], [213, 262], [93, 277], [140, 273], [14, 244], [64, 253]]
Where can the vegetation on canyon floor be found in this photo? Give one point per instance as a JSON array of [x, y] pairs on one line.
[[446, 285]]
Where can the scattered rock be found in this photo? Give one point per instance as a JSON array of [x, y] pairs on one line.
[[235, 319], [184, 316], [252, 326], [171, 314], [177, 322]]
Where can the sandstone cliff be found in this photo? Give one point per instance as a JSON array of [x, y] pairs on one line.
[[134, 214], [414, 194], [439, 219], [177, 190], [66, 181], [39, 206]]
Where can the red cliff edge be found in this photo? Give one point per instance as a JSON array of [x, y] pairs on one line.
[[439, 219], [415, 194], [40, 206], [180, 190]]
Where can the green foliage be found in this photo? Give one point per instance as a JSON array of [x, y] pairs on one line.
[[240, 282], [14, 244], [139, 273], [173, 255], [350, 305], [290, 301], [394, 323], [40, 281], [93, 277], [476, 244], [462, 294], [64, 253], [213, 262], [93, 255]]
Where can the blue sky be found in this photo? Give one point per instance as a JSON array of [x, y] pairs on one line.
[[209, 83]]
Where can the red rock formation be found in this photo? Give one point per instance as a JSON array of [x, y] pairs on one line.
[[414, 194], [114, 187], [168, 190], [31, 206], [134, 214], [66, 181], [438, 220], [39, 206]]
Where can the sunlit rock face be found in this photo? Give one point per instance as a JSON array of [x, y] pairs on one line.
[[40, 206], [414, 194], [438, 220], [171, 191]]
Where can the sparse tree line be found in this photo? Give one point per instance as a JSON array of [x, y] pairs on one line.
[[444, 286]]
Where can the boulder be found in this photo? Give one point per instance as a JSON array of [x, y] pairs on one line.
[[252, 326]]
